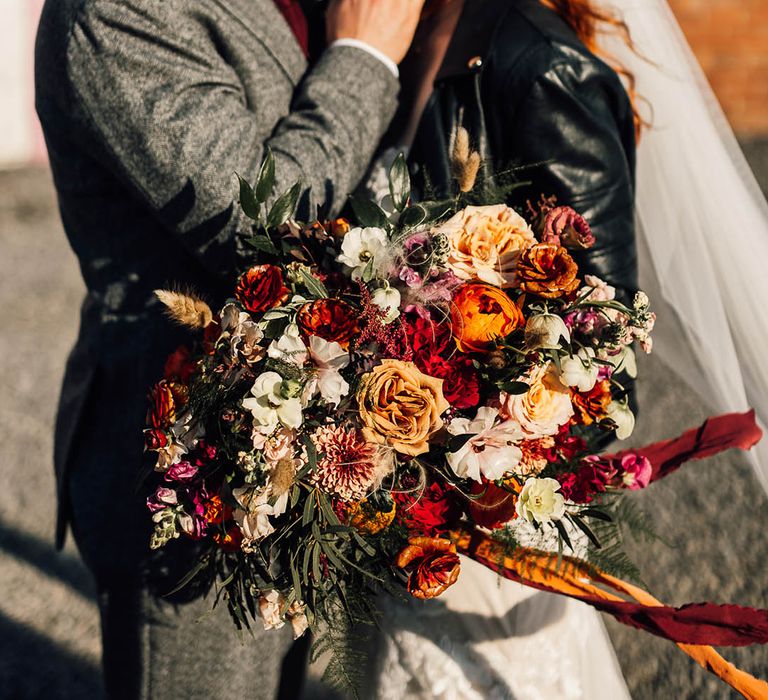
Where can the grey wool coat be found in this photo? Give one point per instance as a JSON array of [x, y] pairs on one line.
[[149, 108]]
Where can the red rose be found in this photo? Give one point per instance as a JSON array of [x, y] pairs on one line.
[[261, 288], [588, 480], [330, 319], [427, 513]]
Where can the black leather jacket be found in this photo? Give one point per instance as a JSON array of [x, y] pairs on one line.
[[530, 94]]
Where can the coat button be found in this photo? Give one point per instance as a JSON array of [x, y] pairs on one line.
[[475, 63]]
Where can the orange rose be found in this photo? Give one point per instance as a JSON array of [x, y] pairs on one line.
[[547, 271], [593, 405], [261, 288], [400, 407], [435, 565], [330, 319], [482, 314]]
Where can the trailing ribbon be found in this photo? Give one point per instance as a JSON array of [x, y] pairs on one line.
[[691, 627]]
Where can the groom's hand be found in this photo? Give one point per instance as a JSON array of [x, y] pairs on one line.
[[386, 25]]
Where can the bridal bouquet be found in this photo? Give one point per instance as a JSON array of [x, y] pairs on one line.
[[381, 395]]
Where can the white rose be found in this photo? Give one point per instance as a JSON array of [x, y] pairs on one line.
[[540, 502], [269, 406], [490, 452], [579, 371], [363, 246], [289, 347], [622, 415], [388, 300]]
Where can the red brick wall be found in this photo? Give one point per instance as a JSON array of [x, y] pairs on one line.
[[730, 38]]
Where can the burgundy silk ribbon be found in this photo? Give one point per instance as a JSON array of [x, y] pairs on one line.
[[297, 21]]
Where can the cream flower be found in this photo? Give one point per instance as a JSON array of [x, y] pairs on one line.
[[486, 242], [361, 247], [269, 610], [388, 300], [540, 502], [544, 408], [579, 370], [622, 415], [546, 331], [329, 358], [601, 291], [272, 405], [491, 452], [289, 347]]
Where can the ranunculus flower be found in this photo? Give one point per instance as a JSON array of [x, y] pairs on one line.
[[539, 500], [544, 407], [400, 406], [491, 452], [261, 288], [330, 319], [486, 242], [361, 247], [481, 315], [434, 565], [622, 416], [592, 405], [546, 331], [563, 226], [579, 371], [637, 471], [547, 271]]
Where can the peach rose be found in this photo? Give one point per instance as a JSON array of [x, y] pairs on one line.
[[400, 407], [482, 314], [547, 271], [434, 565], [544, 407], [486, 242]]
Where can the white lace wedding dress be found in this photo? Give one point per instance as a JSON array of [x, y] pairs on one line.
[[487, 638]]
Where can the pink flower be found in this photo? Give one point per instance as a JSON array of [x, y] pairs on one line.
[[348, 466], [161, 499], [637, 471], [182, 471], [563, 226]]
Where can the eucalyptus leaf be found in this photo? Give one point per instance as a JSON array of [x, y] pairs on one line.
[[399, 183]]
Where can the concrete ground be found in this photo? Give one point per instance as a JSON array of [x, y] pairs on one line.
[[713, 513]]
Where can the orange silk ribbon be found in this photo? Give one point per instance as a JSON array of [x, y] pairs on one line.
[[576, 580]]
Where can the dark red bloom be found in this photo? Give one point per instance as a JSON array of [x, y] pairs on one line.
[[330, 319], [155, 439], [586, 482], [261, 288], [230, 540], [428, 513], [494, 506], [180, 366]]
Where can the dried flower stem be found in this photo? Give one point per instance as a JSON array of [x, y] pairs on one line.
[[186, 309], [465, 163]]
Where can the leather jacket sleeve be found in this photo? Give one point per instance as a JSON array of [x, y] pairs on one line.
[[570, 135]]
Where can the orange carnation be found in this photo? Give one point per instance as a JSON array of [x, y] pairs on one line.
[[593, 405], [547, 271], [435, 565], [330, 319], [261, 288], [482, 314]]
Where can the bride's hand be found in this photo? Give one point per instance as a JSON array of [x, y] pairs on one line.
[[386, 25]]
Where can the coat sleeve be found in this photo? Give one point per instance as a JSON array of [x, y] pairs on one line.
[[169, 117], [574, 130]]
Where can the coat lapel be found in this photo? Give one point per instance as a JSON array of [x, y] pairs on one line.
[[266, 23]]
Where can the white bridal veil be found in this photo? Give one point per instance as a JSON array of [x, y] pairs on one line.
[[703, 225]]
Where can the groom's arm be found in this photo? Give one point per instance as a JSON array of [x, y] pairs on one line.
[[170, 118]]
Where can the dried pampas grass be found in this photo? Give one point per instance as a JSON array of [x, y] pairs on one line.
[[185, 308], [465, 163]]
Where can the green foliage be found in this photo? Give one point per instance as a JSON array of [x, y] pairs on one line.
[[399, 183], [369, 213]]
